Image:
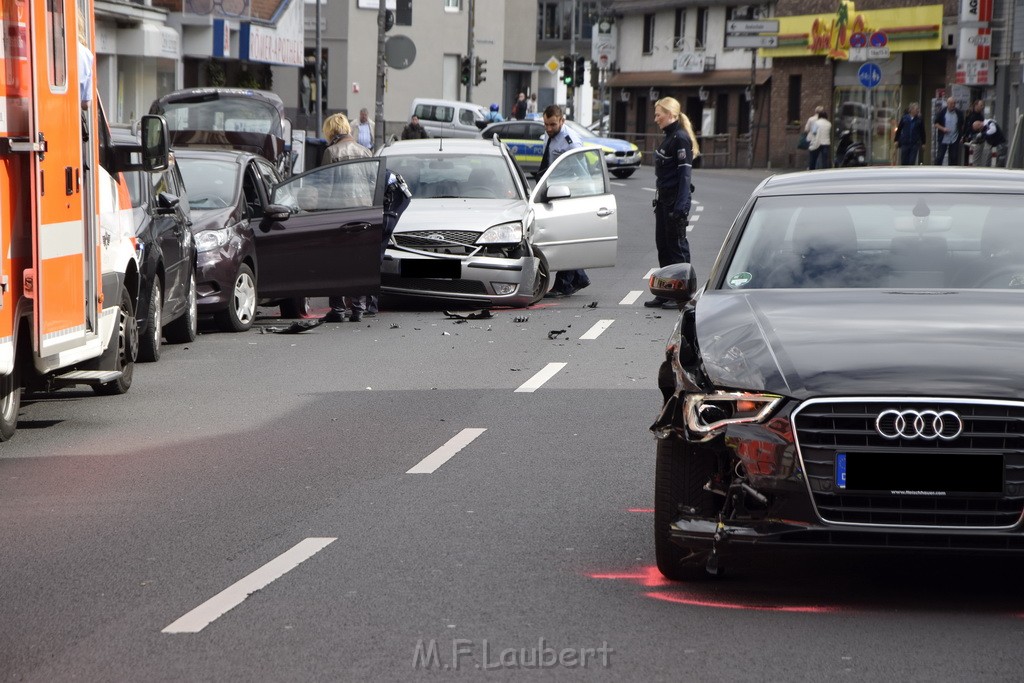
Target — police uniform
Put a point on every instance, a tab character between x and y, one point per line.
567	281
673	170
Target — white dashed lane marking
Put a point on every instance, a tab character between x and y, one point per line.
631	298
447	451
232	596
595	331
650	273
650	189
538	380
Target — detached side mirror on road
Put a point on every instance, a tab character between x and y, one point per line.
677	282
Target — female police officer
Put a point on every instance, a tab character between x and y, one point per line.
673	166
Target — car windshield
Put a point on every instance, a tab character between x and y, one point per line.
234	115
584	133
211	183
881	241
466	176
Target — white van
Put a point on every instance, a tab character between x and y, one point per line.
449	118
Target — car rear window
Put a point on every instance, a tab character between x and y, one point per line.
435	112
881	240
235	115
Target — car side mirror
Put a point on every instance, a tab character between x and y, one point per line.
677	282
276	212
156	149
167	202
557	192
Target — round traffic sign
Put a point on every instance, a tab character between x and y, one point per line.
870	74
879	39
858	40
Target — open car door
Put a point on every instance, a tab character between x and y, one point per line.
575	211
321	234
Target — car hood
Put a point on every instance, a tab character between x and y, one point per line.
459	214
965	343
211	219
613	144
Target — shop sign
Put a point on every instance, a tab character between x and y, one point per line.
974	72
280	44
688	63
908	29
975	31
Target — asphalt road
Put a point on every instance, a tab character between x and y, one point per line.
413	497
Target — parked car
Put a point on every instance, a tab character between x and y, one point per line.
849	375
263	240
449	118
233	118
161	221
525	140
474	232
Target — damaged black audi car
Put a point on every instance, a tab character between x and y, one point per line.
851	375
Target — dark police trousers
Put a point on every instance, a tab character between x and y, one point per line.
673	247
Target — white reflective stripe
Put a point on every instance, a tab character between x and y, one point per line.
61	239
64	333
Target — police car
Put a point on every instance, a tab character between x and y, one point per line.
525	140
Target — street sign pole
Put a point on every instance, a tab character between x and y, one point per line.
753	82
870	75
751	35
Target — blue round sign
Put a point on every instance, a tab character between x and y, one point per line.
858	40
879	39
870	74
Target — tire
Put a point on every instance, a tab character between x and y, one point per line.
680	475
296	308
543	281
241	310
149	343
10	402
127	347
183	329
625	173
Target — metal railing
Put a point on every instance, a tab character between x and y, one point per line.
716	151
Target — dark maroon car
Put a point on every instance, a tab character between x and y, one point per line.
263	241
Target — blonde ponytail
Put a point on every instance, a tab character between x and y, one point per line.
675	110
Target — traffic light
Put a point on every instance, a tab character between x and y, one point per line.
389	20
567	70
467	70
481	69
581	71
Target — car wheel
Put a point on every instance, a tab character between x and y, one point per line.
680	475
10	402
184	329
127	348
299	307
149	343
242	305
625	173
543	280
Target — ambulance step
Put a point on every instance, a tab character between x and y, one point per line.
87	377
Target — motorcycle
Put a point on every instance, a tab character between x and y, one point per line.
850	152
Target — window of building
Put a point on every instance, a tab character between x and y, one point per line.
722	114
679	29
648	34
555	20
743	117
793	100
700	39
452	5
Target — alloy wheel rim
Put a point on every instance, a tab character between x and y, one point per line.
245	298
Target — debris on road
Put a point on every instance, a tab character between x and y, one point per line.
477	315
295	328
553	334
521	319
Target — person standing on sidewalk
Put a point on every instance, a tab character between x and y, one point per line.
910	135
364	133
808	131
673	172
949	124
821	142
338	131
976	149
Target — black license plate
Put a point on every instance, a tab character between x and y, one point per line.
441	268
919	473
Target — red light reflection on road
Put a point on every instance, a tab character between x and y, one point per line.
649	577
650	510
696	601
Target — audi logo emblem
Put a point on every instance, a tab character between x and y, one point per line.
919	424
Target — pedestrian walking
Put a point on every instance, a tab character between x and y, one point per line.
338	131
910	135
519	108
808	126
949	123
557	141
673	172
415	130
821	143
976	149
364	131
531	105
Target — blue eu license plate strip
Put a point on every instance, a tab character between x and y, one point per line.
841	470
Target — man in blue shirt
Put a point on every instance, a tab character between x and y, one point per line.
949	124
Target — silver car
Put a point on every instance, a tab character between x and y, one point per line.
474	231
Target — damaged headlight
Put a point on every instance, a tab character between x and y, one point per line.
707	413
506	233
208	240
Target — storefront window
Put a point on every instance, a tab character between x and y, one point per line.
871	118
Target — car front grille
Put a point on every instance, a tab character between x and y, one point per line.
628	153
990	429
433	239
441	286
